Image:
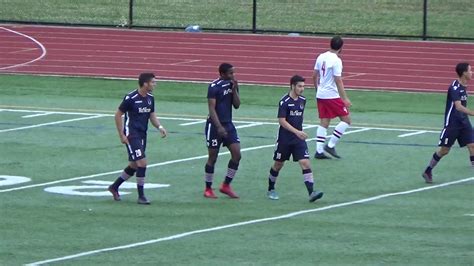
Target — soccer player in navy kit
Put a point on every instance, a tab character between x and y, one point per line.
138	107
222	96
456	121
292	139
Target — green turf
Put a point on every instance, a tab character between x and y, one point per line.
424	228
446	18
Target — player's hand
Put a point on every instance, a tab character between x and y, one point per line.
124	139
301	135
221	132
235	85
163	132
347	102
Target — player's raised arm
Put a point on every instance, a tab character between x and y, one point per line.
119	126
235	94
156	123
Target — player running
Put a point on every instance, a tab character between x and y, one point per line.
292	140
456	121
138	107
222	95
332	100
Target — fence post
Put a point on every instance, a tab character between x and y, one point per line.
425	18
130	14
254	17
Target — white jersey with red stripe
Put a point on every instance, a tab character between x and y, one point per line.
329	65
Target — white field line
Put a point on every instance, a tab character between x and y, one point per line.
51	123
249	222
411	134
249	125
469	214
193	123
43	49
36	115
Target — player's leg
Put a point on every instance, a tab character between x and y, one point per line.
321	133
213	143
471	153
447	138
466	138
128	172
141	174
309	180
281	154
340	109
232	142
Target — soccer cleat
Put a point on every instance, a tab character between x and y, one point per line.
321	156
332	151
143	201
115	193
428	177
227	189
315	195
272	195
209	193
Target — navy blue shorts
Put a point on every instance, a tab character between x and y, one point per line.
136	148
298	149
449	135
214	141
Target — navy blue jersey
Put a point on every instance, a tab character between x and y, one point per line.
452	117
221	90
137	111
292	110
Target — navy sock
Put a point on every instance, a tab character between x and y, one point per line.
232	168
272	179
209	175
141	171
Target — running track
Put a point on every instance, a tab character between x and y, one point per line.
260	59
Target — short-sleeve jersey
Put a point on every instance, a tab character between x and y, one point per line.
137	110
292	110
221	90
452	117
329	65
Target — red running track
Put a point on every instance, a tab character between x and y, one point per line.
260	59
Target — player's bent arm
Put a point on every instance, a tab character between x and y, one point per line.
119	122
340	87
282	121
316	79
236	95
156	123
211	102
459	107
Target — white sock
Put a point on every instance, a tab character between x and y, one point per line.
337	133
320	139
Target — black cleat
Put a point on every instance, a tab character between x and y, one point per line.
315	195
321	156
143	201
332	151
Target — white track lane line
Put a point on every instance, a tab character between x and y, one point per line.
43	49
249	222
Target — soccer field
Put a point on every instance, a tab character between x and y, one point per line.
59	134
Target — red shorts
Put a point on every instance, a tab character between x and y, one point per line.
331	108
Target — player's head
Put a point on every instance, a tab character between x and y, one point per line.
337	43
297	84
226	71
147	81
464	70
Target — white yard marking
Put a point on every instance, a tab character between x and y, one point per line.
469	214
309	126
249	222
50	123
193	123
36	115
43	49
249	125
412	134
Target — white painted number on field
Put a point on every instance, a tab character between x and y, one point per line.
8	180
96	188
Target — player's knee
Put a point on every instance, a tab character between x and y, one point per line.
443	151
141	171
141	163
236	157
305	164
278	165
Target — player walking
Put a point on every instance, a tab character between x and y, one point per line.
222	95
456	121
331	97
138	107
291	139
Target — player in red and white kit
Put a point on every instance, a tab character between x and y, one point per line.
332	100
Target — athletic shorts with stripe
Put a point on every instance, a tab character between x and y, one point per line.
136	148
214	141
464	135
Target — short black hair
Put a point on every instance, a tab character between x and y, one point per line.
144	78
224	68
295	79
461	68
336	43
